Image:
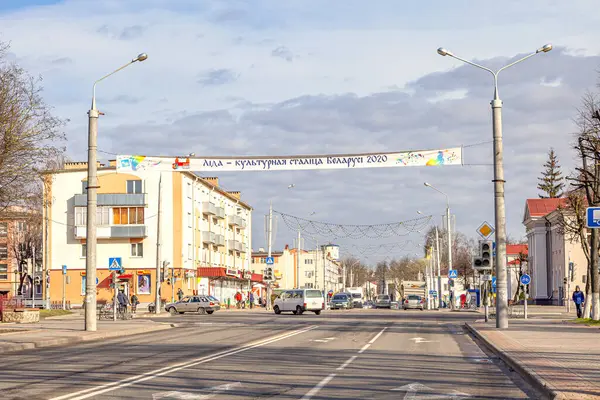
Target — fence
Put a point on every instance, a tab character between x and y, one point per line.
9	302
58	305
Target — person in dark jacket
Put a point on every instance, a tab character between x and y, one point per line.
578	298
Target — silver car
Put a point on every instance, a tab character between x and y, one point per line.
383	301
197	304
413	301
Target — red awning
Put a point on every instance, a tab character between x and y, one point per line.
213	272
122	277
256	277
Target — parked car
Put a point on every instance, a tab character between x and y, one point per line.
341	301
300	300
413	301
383	301
198	304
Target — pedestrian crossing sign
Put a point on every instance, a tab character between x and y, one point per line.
114	264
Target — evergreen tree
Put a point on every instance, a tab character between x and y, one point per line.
552	182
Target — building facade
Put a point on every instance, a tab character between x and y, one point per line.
177	223
551	253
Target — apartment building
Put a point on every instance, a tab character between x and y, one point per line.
177	221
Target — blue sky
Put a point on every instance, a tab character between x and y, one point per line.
273	77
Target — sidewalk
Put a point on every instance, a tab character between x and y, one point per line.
68	330
560	358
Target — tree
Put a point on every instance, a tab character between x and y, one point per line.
551	181
26	241
29	134
382	275
357	273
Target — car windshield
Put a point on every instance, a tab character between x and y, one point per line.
383	297
339	297
311	294
356	295
212	298
414	297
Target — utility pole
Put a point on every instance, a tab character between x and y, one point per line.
115	293
324	281
158	255
64	291
450	266
269	249
33	272
439	267
298	246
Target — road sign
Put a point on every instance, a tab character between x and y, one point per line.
485	230
493	249
433	292
453	273
114	264
525	279
493	282
270	260
592	217
486	277
64	268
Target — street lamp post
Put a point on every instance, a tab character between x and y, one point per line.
92	179
499	207
440	302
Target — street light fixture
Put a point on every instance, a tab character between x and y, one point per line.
449	242
92	179
499	207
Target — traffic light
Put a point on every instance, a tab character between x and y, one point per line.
268	274
37	280
485	252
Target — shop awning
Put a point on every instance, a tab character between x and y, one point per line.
214	272
256	277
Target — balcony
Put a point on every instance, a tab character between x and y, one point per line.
235	245
114	232
220	212
220	240
236	220
114	199
209	208
209	237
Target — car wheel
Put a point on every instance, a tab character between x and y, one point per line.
210	311
299	310
201	310
277	310
172	310
318	312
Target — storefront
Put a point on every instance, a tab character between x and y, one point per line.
224	283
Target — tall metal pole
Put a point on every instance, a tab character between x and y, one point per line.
437	251
158	279
115	293
269	250
450	266
33	272
298	246
90	238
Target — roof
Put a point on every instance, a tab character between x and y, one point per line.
266	254
516	249
219	272
543	207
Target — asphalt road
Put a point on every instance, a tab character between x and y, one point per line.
355	354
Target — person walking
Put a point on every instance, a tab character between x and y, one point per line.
578	298
134	303
180	294
251	298
123	301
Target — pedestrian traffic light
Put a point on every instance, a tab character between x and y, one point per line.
485	252
37	280
268	274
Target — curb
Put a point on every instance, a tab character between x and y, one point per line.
12	347
526	373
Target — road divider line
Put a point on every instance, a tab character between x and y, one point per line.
365	347
319	386
94	391
377	336
348	362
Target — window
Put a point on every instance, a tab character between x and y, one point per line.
3	229
128	216
308	261
137	249
83	250
134	186
84	187
3	271
21	226
3	251
80	216
83	283
189	251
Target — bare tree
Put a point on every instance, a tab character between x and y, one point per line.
26	240
29	134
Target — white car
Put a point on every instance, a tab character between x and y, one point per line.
299	300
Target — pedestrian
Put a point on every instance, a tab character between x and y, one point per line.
123	301
251	298
179	294
134	303
260	301
238	300
578	298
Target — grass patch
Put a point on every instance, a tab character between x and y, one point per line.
53	313
587	321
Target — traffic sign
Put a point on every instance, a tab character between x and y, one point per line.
493	282
493	249
453	273
486	277
64	268
433	292
592	217
270	260
486	230
525	279
115	264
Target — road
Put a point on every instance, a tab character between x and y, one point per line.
354	354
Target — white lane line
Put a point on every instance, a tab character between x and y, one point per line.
319	386
108	387
344	365
365	347
377	336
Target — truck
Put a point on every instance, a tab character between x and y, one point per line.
413	287
358	296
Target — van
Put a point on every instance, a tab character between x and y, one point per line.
299	300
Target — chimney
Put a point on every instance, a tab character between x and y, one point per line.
261	250
213	180
237	195
287	246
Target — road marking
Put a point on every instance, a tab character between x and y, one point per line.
365	347
422	340
108	387
413	388
319	386
324	340
377	336
213	391
344	365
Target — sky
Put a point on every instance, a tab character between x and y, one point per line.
267	77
